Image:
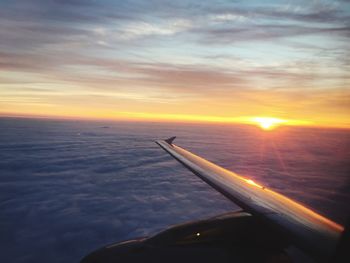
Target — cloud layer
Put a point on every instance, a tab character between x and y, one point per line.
139	51
69	187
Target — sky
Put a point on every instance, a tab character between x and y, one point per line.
176	60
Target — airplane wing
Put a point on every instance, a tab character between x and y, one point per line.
308	230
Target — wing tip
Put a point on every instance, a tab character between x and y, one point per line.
170	140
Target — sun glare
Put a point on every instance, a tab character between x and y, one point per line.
249	181
267	123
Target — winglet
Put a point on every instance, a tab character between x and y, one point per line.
170	140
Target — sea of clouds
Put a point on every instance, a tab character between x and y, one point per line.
69	187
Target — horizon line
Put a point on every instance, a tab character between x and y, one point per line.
191	119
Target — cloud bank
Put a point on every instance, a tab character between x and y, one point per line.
68	187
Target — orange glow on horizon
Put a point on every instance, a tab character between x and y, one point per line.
265	123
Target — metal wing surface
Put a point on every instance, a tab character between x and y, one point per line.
310	231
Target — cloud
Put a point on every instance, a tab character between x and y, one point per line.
72	186
142	51
142	29
265	32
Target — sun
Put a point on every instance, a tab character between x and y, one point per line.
267	123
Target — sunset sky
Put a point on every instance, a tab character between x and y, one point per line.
176	60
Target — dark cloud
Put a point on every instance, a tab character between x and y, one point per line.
315	11
266	32
39	22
